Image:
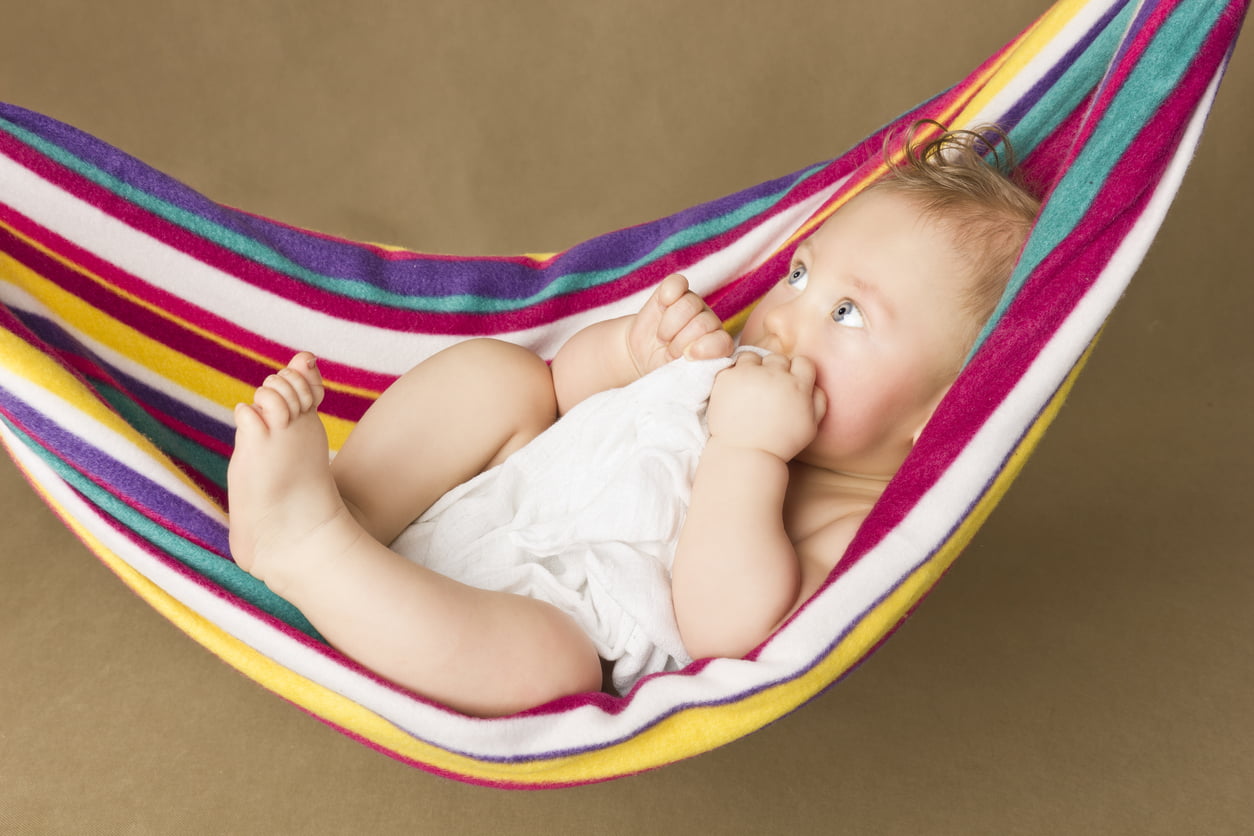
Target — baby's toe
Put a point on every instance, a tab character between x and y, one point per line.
305	366
272	406
249	420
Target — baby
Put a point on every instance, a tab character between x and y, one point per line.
861	339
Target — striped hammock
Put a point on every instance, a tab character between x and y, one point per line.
137	312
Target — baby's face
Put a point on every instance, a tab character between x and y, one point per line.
873	299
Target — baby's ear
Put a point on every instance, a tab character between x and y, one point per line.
929	412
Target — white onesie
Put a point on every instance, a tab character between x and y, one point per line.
587	516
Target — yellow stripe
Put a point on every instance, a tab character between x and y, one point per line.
1026	49
979	91
209	335
41	369
154	355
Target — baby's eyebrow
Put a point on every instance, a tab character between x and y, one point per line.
866	290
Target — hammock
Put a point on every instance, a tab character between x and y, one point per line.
137	312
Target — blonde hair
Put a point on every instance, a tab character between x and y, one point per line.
983	204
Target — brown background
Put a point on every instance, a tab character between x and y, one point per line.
1086	667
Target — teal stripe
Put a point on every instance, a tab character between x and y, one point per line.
1156	75
206	462
1068	92
365	292
688	237
217	570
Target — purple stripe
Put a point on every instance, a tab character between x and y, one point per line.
423	275
1132	39
131	487
140	392
1057	70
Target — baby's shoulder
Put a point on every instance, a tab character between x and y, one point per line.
826	544
821	527
820	550
818	511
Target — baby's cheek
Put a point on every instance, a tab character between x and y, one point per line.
857	407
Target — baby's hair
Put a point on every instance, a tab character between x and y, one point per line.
982	202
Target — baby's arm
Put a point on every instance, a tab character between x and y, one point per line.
673	322
736	574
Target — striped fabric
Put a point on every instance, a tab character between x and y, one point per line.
137	312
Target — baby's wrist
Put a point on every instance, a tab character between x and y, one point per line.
746	449
633	365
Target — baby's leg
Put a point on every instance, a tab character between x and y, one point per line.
446	420
476	651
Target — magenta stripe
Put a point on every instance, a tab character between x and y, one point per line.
55	341
75	280
346	308
135	490
1130	53
197	247
1042	166
389	253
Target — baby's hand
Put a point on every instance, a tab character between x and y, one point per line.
767	403
675	322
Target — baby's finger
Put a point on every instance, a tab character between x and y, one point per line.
677	316
711	345
671	289
776	359
820	404
803	369
705	322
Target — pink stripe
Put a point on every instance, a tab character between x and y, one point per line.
210	253
1110	86
77	279
385	253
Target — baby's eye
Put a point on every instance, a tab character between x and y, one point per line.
848	314
797	277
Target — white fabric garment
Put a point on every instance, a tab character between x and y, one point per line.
587	516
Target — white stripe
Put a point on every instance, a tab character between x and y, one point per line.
275	317
69	418
17	298
1042	63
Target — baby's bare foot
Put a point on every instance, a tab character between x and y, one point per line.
279	479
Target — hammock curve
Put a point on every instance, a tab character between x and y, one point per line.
137	312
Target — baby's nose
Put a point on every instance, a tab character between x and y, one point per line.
779	330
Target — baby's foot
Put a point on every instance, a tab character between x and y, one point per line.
675	322
279	480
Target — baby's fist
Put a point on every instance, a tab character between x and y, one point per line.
675	322
767	403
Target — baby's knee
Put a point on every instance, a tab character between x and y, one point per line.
515	378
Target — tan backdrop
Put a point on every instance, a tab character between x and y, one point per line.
1086	668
